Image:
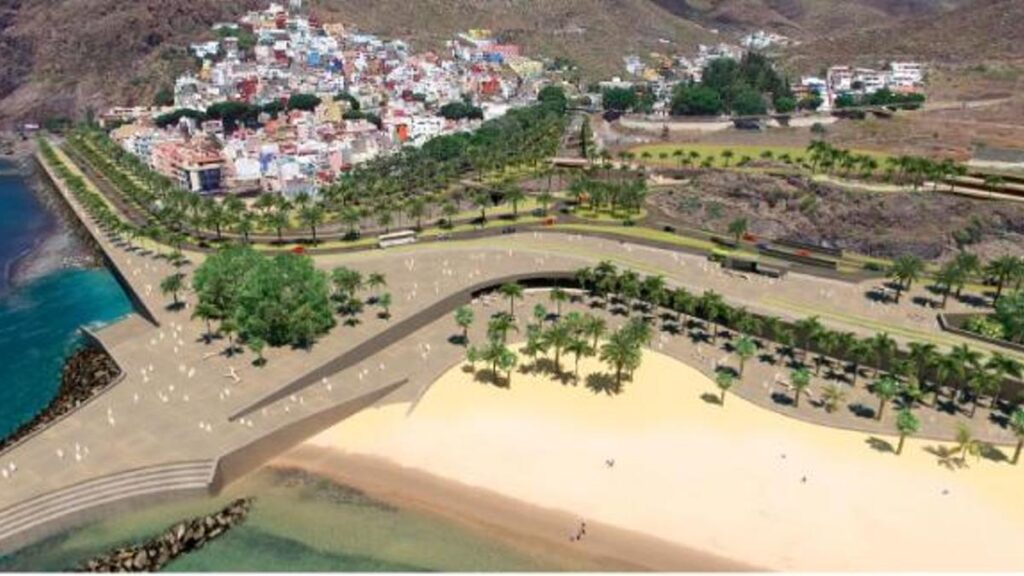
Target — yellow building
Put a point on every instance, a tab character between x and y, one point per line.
525	67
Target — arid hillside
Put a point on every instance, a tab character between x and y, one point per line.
979	32
63	57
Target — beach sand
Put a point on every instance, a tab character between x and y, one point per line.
737	482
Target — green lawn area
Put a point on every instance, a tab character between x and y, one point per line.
606	215
739	150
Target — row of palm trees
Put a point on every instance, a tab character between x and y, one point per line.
908	376
919	371
904	169
408	179
1002	272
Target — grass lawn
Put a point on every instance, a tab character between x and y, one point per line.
739	150
606	215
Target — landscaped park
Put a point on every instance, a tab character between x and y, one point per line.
262	322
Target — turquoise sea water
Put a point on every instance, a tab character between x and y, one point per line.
39	320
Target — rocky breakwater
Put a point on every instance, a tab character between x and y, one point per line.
182	538
86	373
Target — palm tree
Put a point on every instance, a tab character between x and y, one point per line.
1002	366
800	379
545	198
886	388
983	382
905	270
923	356
558	296
966	442
482	200
384	302
514	195
964	361
745	350
907	425
832	395
557	338
713	308
621	353
1017	425
579	347
506	362
376	281
594	328
883	347
807	329
724	379
312	215
727	155
511	290
172	285
737	228
499	327
464	319
969	265
1002	269
948	276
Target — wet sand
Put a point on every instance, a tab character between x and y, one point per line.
534	530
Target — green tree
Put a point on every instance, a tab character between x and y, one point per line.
907	425
905	270
256	345
695	100
800	379
173	285
512	291
745	350
886	388
1017	425
1010	314
384	303
725	380
464	319
737	228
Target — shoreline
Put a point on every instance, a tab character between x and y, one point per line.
524	526
61	245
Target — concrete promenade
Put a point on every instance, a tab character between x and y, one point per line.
187	419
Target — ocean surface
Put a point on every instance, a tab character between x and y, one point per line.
39	319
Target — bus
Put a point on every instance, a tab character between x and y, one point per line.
396	239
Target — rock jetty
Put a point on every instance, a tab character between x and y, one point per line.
86	373
182	538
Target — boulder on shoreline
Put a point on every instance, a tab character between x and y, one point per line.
181	538
86	373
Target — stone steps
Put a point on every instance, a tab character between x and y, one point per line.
46	508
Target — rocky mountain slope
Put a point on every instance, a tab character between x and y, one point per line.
62	57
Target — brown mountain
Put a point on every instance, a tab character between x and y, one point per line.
982	31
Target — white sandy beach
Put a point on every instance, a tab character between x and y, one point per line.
726	481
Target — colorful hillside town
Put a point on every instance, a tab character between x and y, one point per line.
284	103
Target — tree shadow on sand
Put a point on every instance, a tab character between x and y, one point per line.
599	382
879	445
713	399
488	376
